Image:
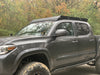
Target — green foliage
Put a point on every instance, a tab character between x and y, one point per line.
4	32
15	14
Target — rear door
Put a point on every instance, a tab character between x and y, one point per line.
86	41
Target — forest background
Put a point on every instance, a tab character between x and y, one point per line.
15	14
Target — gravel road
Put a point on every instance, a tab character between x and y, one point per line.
80	70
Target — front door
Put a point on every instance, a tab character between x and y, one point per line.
63	48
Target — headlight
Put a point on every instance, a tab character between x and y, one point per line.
5	49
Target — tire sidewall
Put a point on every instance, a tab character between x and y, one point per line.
98	65
34	67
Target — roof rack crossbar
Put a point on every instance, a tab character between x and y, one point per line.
72	18
56	18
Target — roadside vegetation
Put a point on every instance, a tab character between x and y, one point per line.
15	14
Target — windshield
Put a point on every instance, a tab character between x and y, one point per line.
37	29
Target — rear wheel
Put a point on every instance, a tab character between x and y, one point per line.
98	65
34	68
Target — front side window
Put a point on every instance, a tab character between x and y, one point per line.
67	26
37	29
82	29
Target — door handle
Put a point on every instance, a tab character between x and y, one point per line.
75	41
91	40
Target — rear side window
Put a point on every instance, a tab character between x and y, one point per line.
82	29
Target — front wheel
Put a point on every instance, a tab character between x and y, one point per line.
34	68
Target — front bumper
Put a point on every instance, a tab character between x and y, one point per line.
7	64
4	65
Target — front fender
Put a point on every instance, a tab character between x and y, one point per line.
29	52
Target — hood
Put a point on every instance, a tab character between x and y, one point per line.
6	40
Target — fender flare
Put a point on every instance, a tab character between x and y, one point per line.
29	52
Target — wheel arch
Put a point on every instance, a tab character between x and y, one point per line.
41	53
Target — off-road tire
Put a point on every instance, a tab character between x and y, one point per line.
98	65
34	68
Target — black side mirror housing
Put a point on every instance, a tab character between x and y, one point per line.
61	32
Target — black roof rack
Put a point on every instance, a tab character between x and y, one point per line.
56	18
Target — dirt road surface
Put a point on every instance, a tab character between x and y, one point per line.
80	70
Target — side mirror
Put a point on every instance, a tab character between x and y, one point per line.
61	32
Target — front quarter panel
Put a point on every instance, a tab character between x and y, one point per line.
29	52
25	47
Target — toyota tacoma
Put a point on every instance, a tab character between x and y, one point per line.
49	44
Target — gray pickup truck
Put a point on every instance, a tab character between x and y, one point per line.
49	44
